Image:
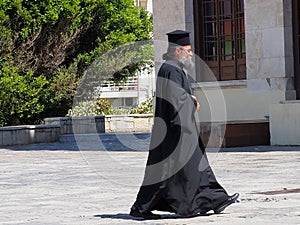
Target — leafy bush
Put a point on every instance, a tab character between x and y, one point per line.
91	108
49	44
103	107
20	96
119	111
145	107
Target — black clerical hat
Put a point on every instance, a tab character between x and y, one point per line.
179	37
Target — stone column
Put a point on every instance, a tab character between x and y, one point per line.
169	15
269	46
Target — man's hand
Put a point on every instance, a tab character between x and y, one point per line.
198	104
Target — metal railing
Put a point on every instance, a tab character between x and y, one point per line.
130	85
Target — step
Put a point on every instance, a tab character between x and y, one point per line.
235	133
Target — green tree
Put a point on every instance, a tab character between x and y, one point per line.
20	96
52	42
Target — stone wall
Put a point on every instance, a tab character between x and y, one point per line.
170	15
129	123
102	124
213	133
56	126
232	100
78	125
269	47
285	123
29	134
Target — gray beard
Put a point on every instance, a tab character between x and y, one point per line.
186	62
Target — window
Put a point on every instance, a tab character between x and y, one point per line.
220	37
141	3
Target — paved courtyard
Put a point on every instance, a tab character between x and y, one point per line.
82	183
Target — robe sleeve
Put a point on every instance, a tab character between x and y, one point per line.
183	103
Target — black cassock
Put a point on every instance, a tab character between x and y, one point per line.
178	177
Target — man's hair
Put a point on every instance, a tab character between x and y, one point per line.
170	53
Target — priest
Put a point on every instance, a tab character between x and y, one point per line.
178	177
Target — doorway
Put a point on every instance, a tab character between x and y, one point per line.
296	40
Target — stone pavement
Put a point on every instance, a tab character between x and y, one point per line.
82	183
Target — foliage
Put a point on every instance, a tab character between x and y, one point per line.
20	96
51	43
133	58
91	108
119	111
103	107
116	65
60	92
145	107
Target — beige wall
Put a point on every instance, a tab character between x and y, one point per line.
285	123
234	102
168	15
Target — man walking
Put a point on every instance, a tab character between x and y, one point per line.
178	177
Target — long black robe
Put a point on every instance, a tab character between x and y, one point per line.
178	177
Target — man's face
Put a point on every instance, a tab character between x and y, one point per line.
185	57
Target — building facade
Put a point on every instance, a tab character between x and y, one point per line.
145	4
251	49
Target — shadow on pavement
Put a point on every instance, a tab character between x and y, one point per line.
92	142
125	216
125	142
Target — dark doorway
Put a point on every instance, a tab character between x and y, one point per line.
296	38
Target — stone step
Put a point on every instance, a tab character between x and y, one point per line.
235	133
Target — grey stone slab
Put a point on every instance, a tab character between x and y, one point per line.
70	186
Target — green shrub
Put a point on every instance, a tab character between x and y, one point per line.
119	111
103	107
20	96
91	108
49	44
145	107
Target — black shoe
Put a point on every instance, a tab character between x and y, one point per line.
231	199
148	215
